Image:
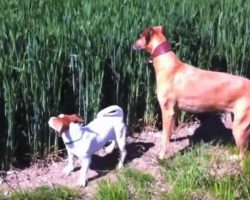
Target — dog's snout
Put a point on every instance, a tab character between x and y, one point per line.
50	122
137	46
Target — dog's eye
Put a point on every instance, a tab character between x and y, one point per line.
144	33
148	37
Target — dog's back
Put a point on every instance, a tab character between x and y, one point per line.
107	126
108	123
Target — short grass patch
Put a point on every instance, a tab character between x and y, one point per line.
112	190
206	172
2	197
140	183
45	193
131	184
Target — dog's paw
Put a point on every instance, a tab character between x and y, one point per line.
234	157
120	165
82	183
161	155
67	170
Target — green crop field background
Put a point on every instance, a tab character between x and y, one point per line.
59	56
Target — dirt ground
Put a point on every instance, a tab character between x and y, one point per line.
142	151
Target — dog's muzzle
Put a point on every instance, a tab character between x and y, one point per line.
137	46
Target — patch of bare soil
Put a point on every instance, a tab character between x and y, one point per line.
142	151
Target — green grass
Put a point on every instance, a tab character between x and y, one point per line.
206	171
76	57
185	172
112	190
2	197
246	165
46	193
230	187
142	183
203	171
131	184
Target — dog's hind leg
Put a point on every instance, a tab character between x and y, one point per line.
241	132
121	142
110	147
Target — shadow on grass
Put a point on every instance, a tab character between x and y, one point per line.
104	164
211	130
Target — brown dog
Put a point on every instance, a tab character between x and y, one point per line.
180	85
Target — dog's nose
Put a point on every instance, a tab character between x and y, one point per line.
51	121
136	46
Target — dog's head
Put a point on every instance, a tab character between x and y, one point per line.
62	121
150	38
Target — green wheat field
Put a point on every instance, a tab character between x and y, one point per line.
75	56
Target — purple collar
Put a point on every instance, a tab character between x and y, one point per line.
162	48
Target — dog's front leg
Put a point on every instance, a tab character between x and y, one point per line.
85	162
70	166
168	121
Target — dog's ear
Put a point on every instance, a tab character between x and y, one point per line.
71	118
159	29
148	34
76	119
57	124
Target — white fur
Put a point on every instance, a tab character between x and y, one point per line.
83	141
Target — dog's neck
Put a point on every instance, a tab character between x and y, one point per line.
163	57
73	134
162	48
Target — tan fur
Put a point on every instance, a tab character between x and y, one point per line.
182	86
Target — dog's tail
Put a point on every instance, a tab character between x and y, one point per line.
120	128
111	111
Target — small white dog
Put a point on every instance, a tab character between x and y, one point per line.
83	141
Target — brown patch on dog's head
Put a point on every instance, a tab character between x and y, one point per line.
62	121
150	38
71	118
146	34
